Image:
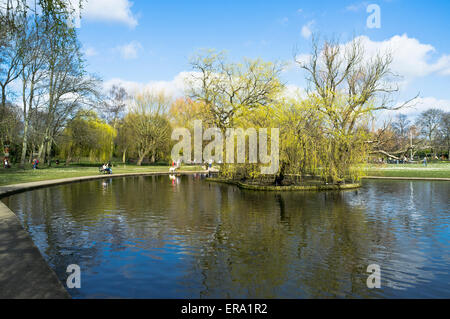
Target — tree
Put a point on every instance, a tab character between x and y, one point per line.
184	111
228	89
87	135
444	129
125	141
428	122
387	141
346	87
33	63
14	18
68	87
115	105
149	125
401	125
12	47
10	130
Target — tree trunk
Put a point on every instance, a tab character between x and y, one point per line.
139	162
68	159
124	156
280	177
26	119
30	159
142	154
3	96
41	153
49	153
24	145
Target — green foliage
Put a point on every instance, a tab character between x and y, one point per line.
87	136
313	143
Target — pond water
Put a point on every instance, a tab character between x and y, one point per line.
157	237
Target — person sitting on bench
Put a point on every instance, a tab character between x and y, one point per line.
105	169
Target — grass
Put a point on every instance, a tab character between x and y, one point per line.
16	175
433	170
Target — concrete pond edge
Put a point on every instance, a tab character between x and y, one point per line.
24	273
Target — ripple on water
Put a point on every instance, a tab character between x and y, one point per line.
157	238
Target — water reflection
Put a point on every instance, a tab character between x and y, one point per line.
179	237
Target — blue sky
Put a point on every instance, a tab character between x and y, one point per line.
143	42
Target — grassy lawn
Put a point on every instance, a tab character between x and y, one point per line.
441	170
16	175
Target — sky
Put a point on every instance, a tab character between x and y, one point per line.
145	43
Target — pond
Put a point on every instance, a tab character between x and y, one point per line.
184	237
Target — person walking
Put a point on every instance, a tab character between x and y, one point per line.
35	163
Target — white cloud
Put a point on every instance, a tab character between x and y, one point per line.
95	10
302	58
418	106
424	103
443	65
294	92
306	29
178	85
111	11
411	58
174	88
129	51
90	52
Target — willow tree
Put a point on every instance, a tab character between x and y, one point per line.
228	92
184	111
303	140
125	142
87	136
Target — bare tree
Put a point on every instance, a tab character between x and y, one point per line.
33	72
401	125
12	47
114	106
67	86
345	75
428	122
347	87
444	128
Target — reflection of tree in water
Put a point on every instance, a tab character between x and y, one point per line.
229	242
251	254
